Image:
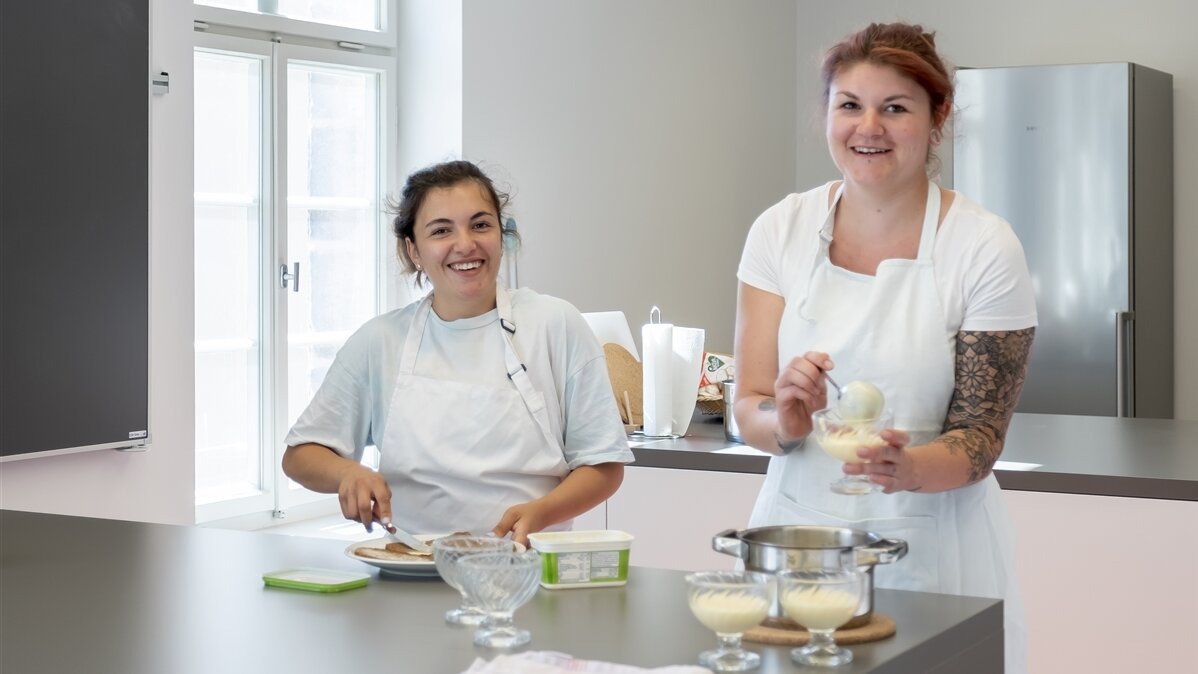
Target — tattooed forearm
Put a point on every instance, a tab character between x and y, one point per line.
990	370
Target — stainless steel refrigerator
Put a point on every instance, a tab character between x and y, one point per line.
1079	159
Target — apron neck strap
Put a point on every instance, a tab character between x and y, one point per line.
931	220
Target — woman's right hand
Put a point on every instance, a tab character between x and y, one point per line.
364	496
799	390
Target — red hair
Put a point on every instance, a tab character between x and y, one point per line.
902	46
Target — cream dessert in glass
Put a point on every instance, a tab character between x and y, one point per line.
728	603
821	601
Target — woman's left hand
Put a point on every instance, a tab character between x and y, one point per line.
890	465
521	520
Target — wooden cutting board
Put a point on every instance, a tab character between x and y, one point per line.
879	626
627	379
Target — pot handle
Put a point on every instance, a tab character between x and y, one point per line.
729	543
884	551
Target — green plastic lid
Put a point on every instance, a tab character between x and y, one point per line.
316	580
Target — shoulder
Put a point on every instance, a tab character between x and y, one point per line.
971	230
812	203
379	333
546	312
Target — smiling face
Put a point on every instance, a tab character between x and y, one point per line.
879	127
458	243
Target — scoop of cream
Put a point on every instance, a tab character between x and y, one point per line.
860	401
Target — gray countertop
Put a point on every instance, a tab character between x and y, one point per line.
100	596
1105	456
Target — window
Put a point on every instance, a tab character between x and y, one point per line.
294	154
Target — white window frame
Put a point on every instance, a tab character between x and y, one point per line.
276	501
384	38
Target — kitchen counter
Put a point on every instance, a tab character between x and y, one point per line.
100	596
1102	456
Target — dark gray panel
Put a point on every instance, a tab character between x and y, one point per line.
74	235
1152	242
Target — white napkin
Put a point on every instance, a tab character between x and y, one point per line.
550	662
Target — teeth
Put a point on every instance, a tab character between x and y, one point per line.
466	266
869	150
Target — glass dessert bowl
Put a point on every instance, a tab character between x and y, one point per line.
841	438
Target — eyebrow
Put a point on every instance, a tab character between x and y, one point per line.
448	221
888	99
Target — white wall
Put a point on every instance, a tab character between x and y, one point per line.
640	139
157	485
1155	33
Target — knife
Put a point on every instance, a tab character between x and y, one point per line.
400	536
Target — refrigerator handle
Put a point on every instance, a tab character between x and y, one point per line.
1124	372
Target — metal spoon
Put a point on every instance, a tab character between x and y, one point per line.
839	391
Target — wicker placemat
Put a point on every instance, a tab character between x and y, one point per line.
626	383
878	627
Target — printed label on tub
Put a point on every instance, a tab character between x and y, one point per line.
583	567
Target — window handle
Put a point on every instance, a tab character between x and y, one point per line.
293	277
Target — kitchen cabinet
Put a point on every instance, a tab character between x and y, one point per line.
674	513
1108	582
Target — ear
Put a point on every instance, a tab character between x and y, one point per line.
413	254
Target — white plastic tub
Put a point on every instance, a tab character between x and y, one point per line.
582	558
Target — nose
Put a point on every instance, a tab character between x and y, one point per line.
871	124
463	240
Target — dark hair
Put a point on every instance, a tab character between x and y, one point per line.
905	47
438	176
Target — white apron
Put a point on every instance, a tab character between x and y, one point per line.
891	329
457	455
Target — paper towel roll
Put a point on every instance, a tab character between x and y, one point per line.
657	342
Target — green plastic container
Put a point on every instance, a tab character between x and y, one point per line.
582	558
316	580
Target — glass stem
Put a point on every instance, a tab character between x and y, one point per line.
499	619
729	642
822	639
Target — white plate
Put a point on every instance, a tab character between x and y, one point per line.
398	567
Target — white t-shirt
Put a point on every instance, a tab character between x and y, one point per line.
980	269
565	363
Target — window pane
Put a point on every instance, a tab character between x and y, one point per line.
228	231
362	14
332	216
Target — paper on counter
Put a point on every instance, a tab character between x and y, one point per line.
686	370
611	327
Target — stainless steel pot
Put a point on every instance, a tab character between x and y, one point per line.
780	548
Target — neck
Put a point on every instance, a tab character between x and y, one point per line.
877	208
453	309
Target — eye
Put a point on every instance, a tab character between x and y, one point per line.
439	231
481	224
895	108
849	105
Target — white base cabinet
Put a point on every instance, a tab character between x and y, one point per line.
1110	584
674	514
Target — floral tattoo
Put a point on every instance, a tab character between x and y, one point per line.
991	368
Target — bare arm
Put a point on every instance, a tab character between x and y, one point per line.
362	492
584	488
773	408
990	370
